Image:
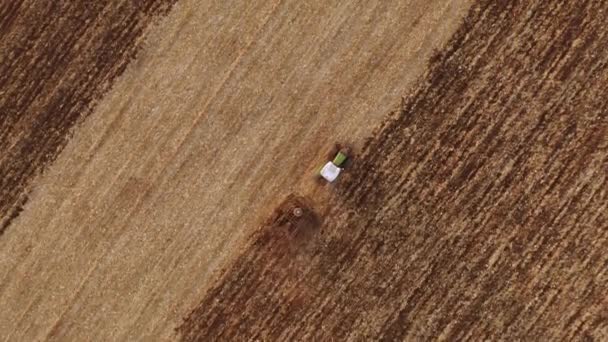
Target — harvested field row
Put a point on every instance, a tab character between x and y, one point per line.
479	211
56	59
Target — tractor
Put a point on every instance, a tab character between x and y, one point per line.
331	170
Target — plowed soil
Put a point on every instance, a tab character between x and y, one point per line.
477	212
228	107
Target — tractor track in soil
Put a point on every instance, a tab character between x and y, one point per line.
478	211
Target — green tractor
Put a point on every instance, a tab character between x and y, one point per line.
332	169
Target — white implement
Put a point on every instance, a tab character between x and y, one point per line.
330	172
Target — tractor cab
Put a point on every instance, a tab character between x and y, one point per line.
331	170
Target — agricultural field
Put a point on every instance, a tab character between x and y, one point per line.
478	211
141	146
56	58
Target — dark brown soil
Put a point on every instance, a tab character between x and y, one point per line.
56	59
478	212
